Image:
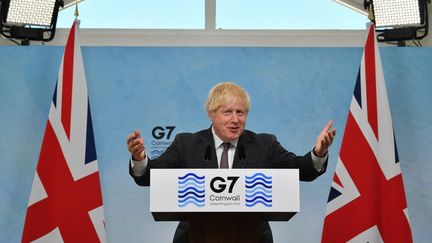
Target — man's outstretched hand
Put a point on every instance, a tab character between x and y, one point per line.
324	139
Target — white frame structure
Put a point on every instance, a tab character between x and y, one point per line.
247	38
210	36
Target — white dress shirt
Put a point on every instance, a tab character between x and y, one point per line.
219	149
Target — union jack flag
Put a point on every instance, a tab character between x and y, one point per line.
367	198
65	203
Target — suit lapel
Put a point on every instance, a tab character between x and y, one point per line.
243	151
207	150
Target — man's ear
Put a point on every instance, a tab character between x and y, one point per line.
210	115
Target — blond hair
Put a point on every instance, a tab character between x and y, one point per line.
226	92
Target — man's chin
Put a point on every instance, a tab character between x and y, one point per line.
234	136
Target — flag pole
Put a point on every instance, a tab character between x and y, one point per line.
76	9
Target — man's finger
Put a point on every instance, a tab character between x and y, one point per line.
137	133
139	150
130	138
328	126
137	147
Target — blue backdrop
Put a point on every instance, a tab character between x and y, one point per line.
294	92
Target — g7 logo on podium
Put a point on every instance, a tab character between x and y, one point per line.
218	184
159	132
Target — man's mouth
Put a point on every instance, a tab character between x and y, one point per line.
233	129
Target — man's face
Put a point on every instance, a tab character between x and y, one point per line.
229	120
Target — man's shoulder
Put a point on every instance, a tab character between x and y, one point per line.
206	133
193	135
250	135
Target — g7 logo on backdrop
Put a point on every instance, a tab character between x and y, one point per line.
218	184
159	132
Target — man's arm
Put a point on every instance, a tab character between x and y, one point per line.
139	162
139	172
140	165
319	163
313	163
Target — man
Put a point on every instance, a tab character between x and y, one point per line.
226	144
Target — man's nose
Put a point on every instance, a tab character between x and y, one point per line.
235	117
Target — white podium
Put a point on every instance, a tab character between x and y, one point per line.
232	201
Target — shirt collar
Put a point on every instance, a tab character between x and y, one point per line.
218	141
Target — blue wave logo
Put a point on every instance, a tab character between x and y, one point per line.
191	190
156	153
258	190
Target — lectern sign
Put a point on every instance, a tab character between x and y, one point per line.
226	190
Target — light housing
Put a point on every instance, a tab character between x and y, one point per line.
29	19
398	20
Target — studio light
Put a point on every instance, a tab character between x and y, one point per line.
398	20
29	19
396	13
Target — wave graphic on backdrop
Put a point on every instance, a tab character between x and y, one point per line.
191	190
156	153
258	190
